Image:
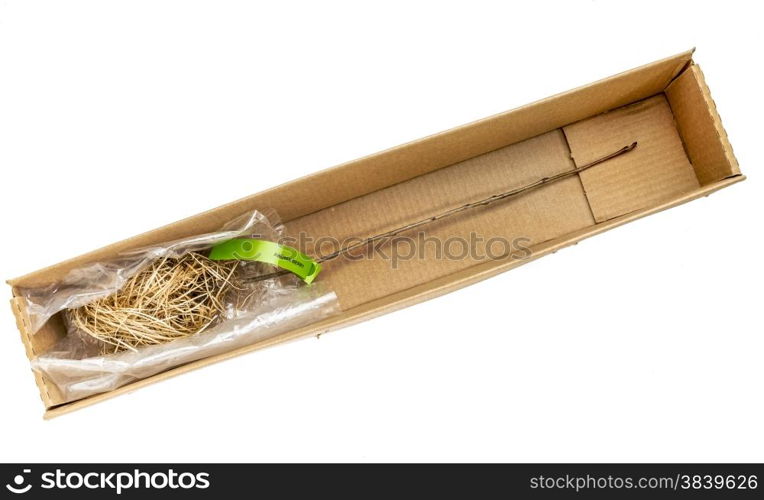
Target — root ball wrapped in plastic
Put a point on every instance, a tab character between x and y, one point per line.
155	308
171	299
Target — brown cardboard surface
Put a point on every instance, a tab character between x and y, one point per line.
701	128
655	172
538	216
425	177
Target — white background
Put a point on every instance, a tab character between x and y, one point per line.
641	344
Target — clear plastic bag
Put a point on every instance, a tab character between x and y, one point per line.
100	279
80	366
284	310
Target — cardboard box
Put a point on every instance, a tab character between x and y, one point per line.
665	106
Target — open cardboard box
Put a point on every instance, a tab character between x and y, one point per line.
665	106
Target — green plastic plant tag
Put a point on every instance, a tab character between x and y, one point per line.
269	252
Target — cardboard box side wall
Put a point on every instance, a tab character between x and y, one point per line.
700	126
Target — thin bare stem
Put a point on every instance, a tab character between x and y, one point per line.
468	206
